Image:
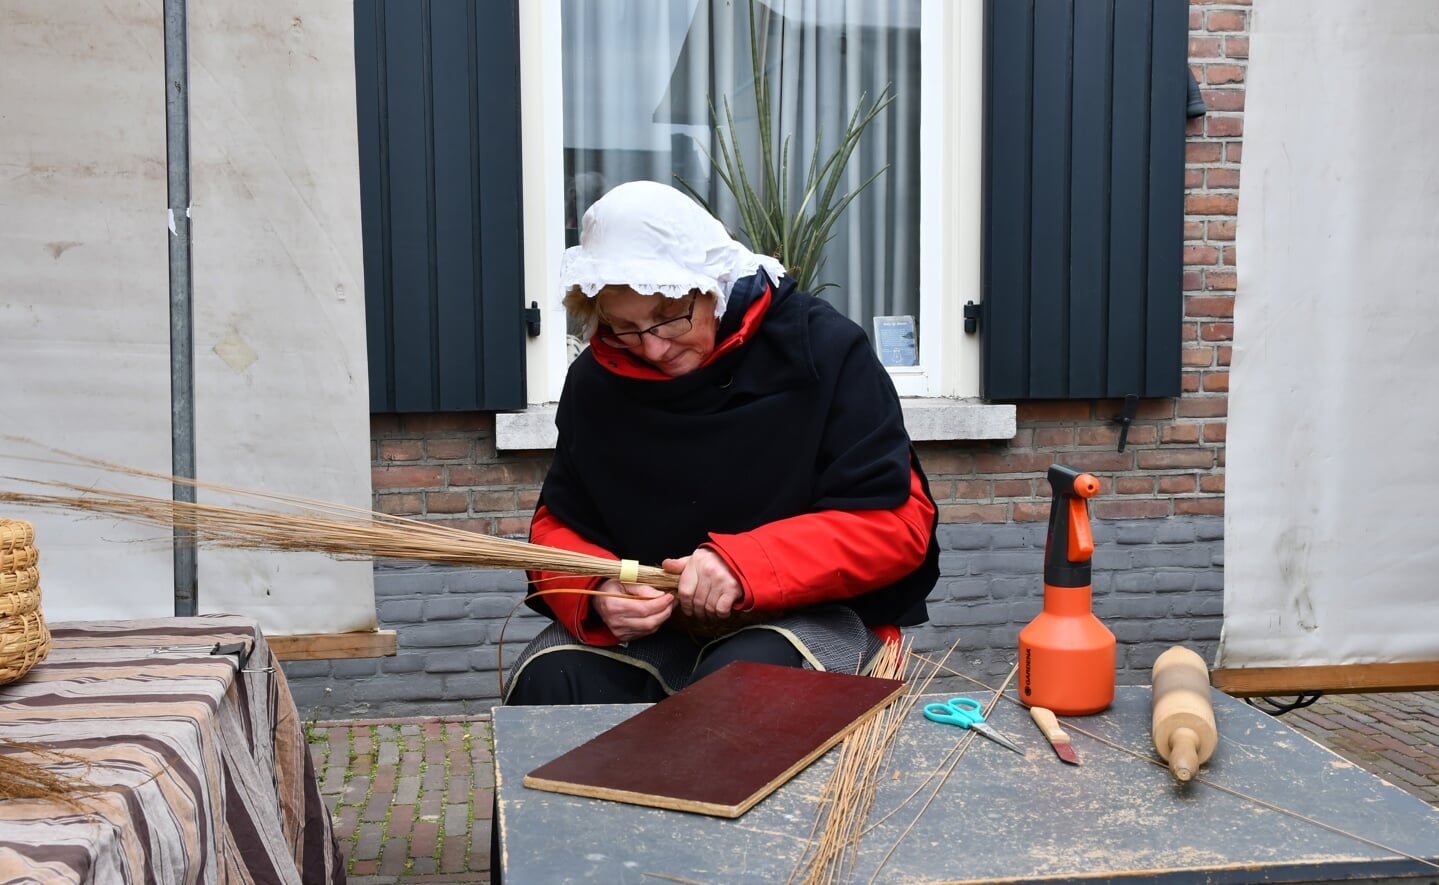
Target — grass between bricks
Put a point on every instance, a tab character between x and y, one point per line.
368	766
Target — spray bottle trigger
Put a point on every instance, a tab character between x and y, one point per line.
1081	540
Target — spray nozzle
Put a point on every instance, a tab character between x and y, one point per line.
1069	545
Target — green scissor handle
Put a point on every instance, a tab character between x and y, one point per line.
965	712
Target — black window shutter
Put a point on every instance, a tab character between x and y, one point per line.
1083	198
437	90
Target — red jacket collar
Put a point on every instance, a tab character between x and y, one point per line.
623	362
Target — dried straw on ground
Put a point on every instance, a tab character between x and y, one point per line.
288	523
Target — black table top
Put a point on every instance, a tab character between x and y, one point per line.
1271	805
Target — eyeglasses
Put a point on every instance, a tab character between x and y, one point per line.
666	329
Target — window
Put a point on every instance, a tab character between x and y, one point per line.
640	77
1073	126
619	91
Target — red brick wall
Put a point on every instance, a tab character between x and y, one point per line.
444	467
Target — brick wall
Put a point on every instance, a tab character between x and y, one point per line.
1156	582
1158	520
444	467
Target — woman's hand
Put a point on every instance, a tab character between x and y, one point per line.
708	591
630	619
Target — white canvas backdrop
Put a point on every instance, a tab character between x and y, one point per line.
84	306
280	374
1332	504
282	390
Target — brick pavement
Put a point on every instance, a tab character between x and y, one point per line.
1393	735
412	798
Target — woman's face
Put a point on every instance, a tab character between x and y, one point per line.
625	310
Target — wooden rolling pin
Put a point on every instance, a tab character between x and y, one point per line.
1184	731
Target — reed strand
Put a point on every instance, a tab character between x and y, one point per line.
844	804
317	527
22	778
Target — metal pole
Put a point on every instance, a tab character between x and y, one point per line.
182	313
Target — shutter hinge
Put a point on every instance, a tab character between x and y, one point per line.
532	319
1126	417
971	318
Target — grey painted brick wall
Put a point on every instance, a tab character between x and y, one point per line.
1157	583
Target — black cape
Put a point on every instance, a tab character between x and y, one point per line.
801	417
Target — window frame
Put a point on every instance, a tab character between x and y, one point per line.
952	40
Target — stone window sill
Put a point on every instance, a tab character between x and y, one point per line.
928	419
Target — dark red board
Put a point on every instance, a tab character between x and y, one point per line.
722	744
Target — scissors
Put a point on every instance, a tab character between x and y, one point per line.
964	712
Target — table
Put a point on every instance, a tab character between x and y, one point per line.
194	766
1117	817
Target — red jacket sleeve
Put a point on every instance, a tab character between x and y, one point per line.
570	609
828	555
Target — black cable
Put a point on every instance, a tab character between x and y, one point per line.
1278	708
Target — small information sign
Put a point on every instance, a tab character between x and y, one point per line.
894	338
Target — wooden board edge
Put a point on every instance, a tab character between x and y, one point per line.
631	798
324	646
804	763
1242	682
713	809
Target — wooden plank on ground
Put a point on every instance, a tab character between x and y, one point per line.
323	646
1333	679
722	744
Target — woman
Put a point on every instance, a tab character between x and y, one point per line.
740	434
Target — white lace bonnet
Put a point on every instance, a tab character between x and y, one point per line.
658	241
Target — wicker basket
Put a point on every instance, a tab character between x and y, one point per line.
16	533
20	594
24	638
23	580
16	558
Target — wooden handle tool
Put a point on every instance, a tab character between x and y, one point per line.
1183	723
1058	737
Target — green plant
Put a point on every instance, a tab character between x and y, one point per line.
794	231
314	734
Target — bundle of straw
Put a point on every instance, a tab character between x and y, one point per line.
301	524
844	805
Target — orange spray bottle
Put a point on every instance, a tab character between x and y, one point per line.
1066	656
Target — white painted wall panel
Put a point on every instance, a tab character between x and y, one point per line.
282	396
280	370
1332	508
84	299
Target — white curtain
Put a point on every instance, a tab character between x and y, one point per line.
640	77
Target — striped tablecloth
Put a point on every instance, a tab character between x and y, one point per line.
193	768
